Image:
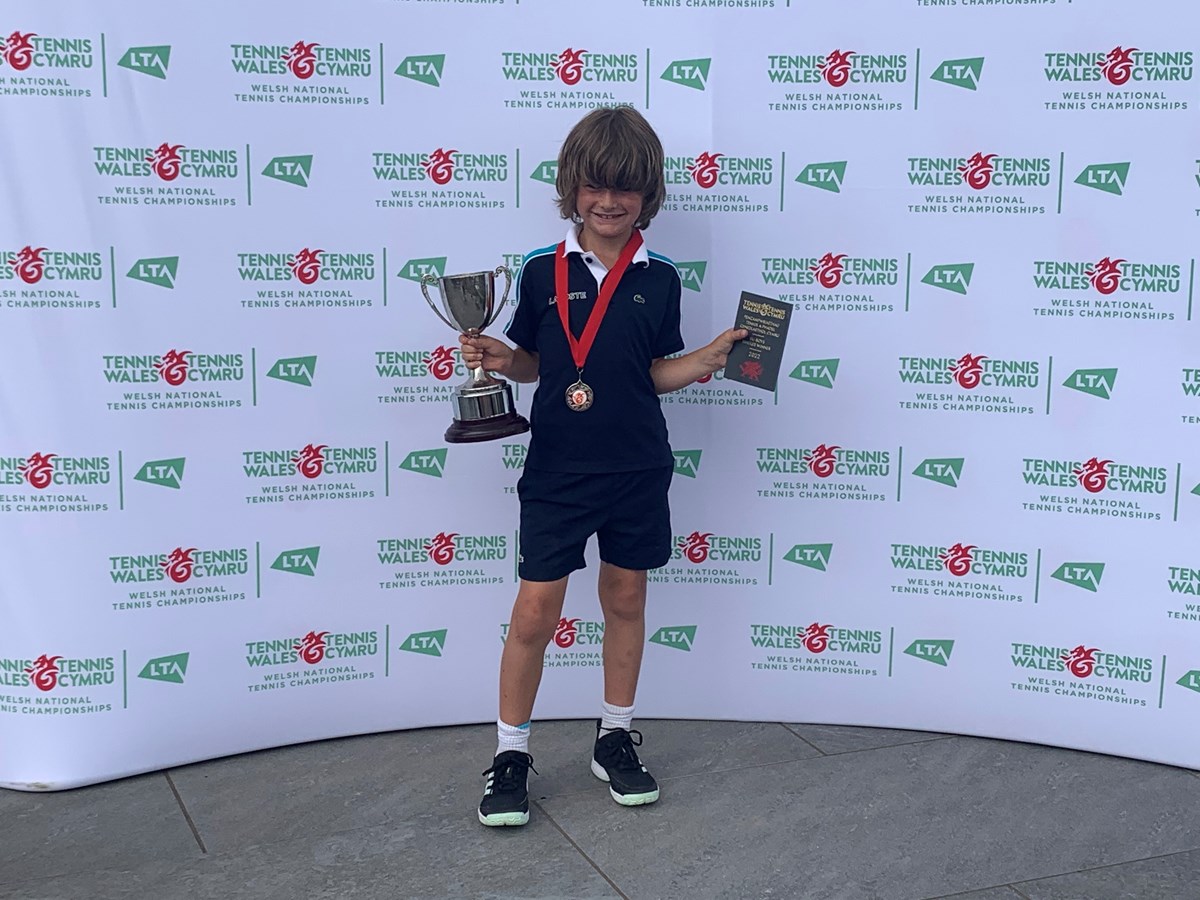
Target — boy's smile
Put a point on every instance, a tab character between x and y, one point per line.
607	214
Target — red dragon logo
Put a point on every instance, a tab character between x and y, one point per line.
440	166
1117	65
311	461
836	68
569	67
705	168
1081	661
1105	276
695	546
977	172
306	265
751	369
17	51
312	647
44	673
440	363
441	548
38	470
564	632
957	559
301	60
179	564
968	371
1093	475
815	638
165	161
29	265
821	461
829	270
172	367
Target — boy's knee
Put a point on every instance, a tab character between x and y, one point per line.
533	622
625	602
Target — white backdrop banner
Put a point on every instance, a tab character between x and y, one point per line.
227	516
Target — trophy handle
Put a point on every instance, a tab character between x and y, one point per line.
507	273
432	279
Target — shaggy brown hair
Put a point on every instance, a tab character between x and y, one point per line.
612	147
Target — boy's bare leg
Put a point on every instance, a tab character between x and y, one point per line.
535	615
623	600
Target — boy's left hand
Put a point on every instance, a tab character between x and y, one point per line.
717	352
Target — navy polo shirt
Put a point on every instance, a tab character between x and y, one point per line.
624	429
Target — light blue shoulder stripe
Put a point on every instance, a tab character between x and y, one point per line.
516	298
670	262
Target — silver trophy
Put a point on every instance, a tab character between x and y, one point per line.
483	404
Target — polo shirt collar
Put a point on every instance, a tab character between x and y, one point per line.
640	258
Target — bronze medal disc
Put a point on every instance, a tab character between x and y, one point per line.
579	397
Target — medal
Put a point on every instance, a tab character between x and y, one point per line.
579	396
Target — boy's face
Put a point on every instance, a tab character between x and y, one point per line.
608	214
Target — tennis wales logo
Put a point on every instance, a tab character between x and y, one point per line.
47	673
1119	66
708	169
41	470
32	265
20	52
570	67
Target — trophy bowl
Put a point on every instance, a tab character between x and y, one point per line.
483	404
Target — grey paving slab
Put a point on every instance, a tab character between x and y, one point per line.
847	738
119	823
450	858
997	893
338	785
1175	877
917	820
671	748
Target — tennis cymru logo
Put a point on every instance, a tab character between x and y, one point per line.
426	462
1120	66
854	283
166	473
310	277
819	647
1082	673
687	462
991	184
170	669
861	474
294	370
716	181
444	559
931	651
946	471
1096	382
48	673
570	67
1111	288
569	632
811	556
704	557
41	471
441	178
295	170
701	547
677	637
303	72
152	61
690	73
313	658
175	368
962	571
953	277
821	372
1184	581
1082	575
513	455
1107	177
962	73
418	376
160	271
839	81
33	64
1097	487
41	278
168	174
427	643
312	472
423	69
180	565
1010	386
298	562
827	176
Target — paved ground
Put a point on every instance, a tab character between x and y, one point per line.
749	810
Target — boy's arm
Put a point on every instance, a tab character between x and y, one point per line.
673	374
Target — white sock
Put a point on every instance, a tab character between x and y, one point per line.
615	717
511	737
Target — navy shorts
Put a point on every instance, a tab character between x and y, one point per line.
627	511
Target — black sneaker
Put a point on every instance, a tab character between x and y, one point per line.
506	795
614	760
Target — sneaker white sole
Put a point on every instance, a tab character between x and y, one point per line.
508	818
623	799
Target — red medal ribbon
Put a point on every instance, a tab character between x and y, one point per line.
580	347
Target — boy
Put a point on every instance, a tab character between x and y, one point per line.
596	317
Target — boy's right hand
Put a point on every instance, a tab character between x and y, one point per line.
491	354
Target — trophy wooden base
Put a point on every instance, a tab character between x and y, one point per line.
489	429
